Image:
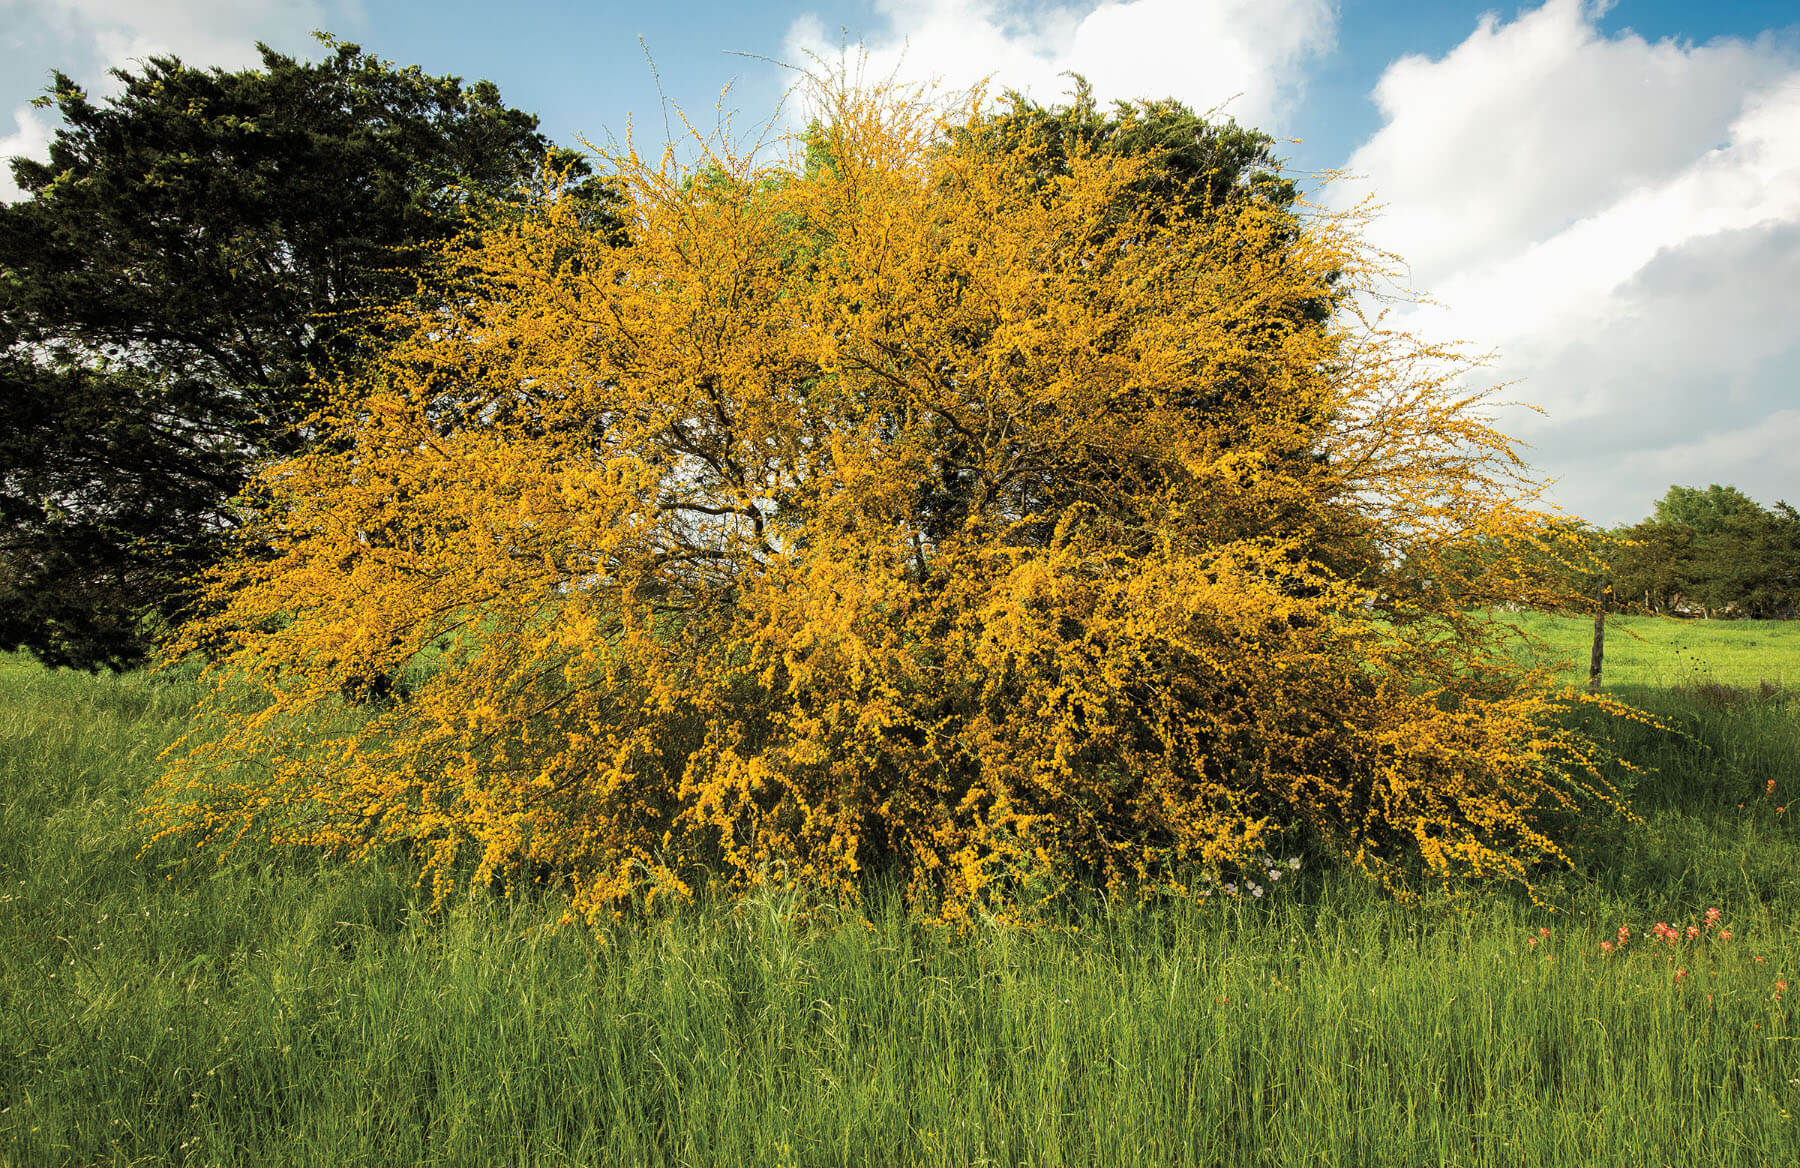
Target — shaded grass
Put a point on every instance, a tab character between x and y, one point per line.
283	1010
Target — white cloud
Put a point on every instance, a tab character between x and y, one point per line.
1245	55
1758	458
30	138
85	38
1620	219
204	32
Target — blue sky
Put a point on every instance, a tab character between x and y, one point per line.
1605	196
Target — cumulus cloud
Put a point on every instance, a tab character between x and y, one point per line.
86	38
1620	220
1247	56
30	138
210	32
1760	453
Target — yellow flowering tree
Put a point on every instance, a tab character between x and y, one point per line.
907	505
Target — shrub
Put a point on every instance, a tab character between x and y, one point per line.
915	507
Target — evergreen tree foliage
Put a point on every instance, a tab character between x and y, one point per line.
196	251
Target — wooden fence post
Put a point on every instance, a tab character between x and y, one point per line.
1599	639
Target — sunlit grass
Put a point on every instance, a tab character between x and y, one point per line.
285	1011
1665	651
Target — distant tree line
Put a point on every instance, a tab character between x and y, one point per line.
1713	554
1710	553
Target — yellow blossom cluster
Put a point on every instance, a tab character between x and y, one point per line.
920	509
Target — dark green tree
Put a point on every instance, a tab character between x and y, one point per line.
1748	566
195	250
1715	551
1199	163
1708	511
1654	565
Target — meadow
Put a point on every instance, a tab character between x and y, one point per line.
1664	653
158	1009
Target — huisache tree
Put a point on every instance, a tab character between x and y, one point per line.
906	505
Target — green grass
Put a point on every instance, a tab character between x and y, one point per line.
1666	652
287	1011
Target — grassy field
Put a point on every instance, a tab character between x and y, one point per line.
1663	652
287	1011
